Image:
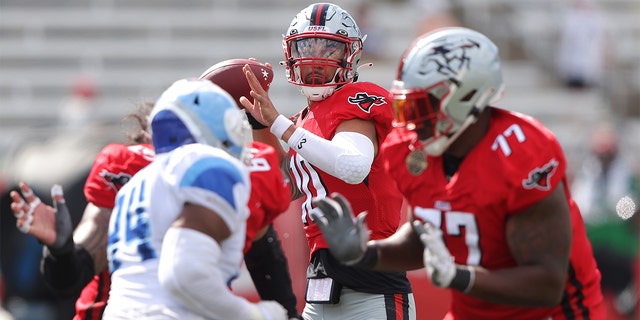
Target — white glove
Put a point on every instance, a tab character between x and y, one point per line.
268	310
346	235
437	259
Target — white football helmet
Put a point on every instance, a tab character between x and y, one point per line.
322	37
445	79
198	111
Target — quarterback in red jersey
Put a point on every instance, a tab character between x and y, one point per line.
334	144
492	215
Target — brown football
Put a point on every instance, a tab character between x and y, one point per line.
229	76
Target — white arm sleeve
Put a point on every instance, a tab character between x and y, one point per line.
348	156
188	271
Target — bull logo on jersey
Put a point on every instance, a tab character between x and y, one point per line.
113	180
365	102
539	178
449	58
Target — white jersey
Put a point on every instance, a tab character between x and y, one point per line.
149	203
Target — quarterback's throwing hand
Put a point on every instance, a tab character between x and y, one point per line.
346	236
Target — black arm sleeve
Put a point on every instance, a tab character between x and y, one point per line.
269	271
67	274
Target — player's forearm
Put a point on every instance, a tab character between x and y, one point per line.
400	252
188	271
528	286
91	234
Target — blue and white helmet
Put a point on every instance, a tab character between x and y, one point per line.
198	111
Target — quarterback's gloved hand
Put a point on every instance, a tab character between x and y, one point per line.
440	265
346	235
50	225
268	310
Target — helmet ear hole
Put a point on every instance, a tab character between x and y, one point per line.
468	96
169	132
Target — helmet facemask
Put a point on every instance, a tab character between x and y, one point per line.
319	63
322	53
420	110
240	134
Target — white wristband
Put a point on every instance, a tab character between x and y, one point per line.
279	126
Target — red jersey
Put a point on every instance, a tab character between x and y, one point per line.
270	194
377	193
516	164
112	168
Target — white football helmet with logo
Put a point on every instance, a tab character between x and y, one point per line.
445	79
323	37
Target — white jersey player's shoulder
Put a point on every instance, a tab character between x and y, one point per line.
196	159
209	177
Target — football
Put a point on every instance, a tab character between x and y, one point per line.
229	76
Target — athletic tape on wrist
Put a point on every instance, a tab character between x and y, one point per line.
472	279
464	279
279	126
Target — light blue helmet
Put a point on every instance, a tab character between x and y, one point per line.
198	111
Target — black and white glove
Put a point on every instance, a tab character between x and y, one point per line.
345	234
441	268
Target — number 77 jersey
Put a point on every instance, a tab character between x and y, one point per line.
517	163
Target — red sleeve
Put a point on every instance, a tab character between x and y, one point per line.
112	168
363	100
537	167
270	194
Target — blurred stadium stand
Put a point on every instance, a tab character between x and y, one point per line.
136	48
